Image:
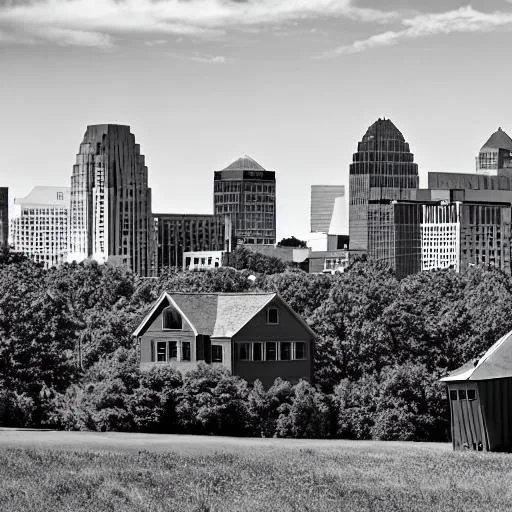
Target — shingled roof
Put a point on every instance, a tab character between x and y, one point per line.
244	163
496	363
219	315
499	140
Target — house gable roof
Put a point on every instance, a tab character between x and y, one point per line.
496	363
219	315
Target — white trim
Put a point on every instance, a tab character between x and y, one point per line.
157	304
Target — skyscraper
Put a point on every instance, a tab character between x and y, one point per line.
4	216
495	154
328	209
247	193
382	170
39	227
110	212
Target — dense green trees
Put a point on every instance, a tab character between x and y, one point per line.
68	358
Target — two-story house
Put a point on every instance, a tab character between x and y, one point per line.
254	335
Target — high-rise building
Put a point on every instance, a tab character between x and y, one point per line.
39	228
178	233
382	170
110	212
495	154
328	209
460	234
4	216
246	192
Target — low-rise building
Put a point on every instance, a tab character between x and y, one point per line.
253	335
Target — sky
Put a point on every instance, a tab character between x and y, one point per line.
292	83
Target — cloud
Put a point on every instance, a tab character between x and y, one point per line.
464	19
208	59
98	22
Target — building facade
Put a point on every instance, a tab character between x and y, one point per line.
253	335
328	209
246	192
495	154
110	208
382	170
39	228
4	216
179	233
440	236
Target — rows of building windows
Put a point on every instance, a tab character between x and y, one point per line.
272	351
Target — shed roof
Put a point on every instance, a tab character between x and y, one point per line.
496	363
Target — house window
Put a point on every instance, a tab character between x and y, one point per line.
173	350
286	351
217	354
257	351
270	351
171	319
462	394
272	316
471	394
161	351
453	394
185	350
300	350
245	351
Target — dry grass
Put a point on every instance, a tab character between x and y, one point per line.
352	477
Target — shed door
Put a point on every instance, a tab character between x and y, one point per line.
466	425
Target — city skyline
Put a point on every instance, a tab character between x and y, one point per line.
293	85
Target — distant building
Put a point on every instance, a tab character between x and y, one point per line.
4	216
39	228
479	394
382	171
178	233
246	192
253	335
202	260
110	212
328	210
495	154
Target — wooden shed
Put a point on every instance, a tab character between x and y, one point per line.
480	395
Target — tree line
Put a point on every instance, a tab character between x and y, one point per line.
68	359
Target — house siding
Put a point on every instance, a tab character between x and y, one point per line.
288	329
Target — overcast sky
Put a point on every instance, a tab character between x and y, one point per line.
292	83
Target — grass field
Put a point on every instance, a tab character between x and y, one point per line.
221	474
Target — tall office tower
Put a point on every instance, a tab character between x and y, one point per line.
382	170
247	193
4	216
110	213
327	209
495	154
39	228
178	233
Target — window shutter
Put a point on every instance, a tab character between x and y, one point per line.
152	351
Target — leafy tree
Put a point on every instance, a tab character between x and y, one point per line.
212	401
308	414
242	258
292	242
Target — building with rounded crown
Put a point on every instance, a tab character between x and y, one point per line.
382	171
246	192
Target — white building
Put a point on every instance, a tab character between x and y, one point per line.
440	236
39	227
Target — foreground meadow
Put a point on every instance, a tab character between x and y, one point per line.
87	472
